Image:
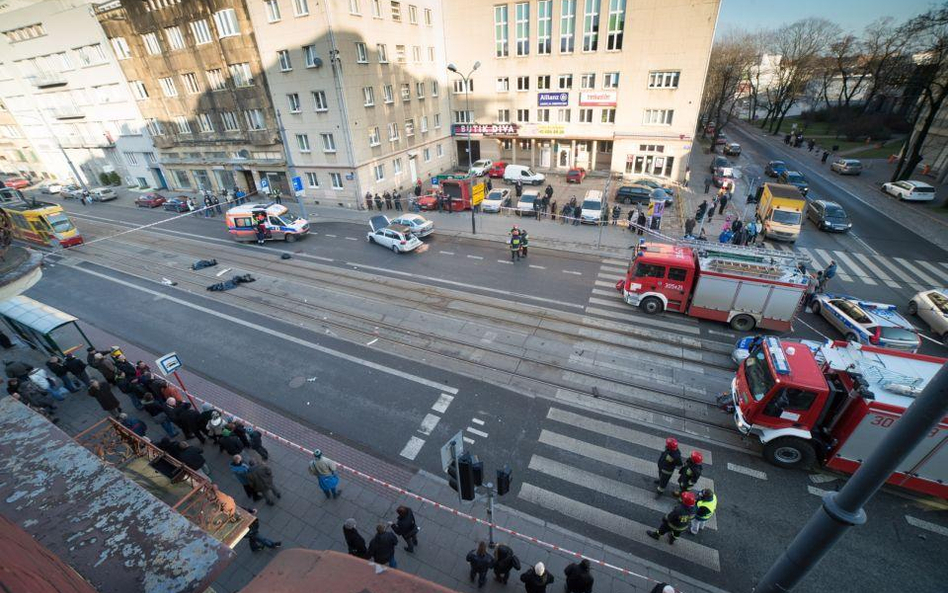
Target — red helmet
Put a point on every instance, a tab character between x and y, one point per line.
688	498
671	443
697	457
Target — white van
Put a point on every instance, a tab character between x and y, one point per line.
523	174
593	205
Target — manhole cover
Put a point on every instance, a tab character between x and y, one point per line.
297	382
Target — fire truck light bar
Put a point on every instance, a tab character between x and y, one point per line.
777	356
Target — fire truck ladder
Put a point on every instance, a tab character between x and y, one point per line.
891	380
750	254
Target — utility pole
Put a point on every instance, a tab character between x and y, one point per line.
844	509
467	111
290	168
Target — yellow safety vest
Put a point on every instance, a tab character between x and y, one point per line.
711	505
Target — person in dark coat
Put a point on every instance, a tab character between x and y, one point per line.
354	540
378	202
30	394
406	527
418	189
518	188
578	578
381	549
77	368
676	520
536	578
256	442
641	222
56	366
690	472
504	561
257	541
159	413
241	431
388	200
18	369
240	470
133	424
104	365
368	200
690	227
230	442
668	462
480	562
102	392
260	477
192	457
173	411
190	420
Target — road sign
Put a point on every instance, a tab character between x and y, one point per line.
264	183
298	185
446	459
169	363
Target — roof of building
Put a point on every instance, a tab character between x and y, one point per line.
29	567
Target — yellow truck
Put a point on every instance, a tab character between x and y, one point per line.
780	210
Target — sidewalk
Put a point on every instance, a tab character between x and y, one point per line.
304	518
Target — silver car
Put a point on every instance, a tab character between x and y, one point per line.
847	166
932	307
419	225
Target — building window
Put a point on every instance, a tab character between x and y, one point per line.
566	81
563	116
591	25
138	89
406	91
424	124
610	80
434	88
182	178
503	116
151	44
587	81
167	86
503	84
409	127
544	26
207	124
428	17
64	62
543	115
440	151
254	119
397	166
393	132
616	24
302	142
215	79
319	101
383	53
293	100
273	10
241	75
377	8
154	127
463	117
523	115
523	28
174	37
658	117
501	32
431	54
437	120
523	83
567	26
585	116
396	11
184	126
374	139
226	22
310	56
329	143
336	180
354	7
426	154
379	172
284	57
412	14
400	54
420	90
311	180
543	82
191	83
130	158
201	32
461	87
608	116
387	94
663	80
416	54
301	8
362	55
121	48
368	96
230	121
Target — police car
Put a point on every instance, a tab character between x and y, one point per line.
876	324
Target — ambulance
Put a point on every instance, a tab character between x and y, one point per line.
281	224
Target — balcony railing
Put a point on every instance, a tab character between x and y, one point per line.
67	112
45	80
85	142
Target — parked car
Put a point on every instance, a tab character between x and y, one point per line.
723	175
575	175
796	179
847	166
525	203
733	149
876	324
719	161
910	191
495	200
775	168
720	139
16	182
428	202
828	216
396	237
419	225
932	307
177	204
649	183
150	200
479	168
496	170
51	187
523	174
103	194
630	194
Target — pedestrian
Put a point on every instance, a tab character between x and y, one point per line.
518	188
388	200
536	209
378	202
480	562
700	212
707	503
786	139
406	527
260	477
722	203
217	205
676	520
737	225
44	381
215	426
397	198
663	588
325	471
133	424
229	442
548	193
811	143
553	210
418	189
257	541
208	206
30	394
690	227
825	156
77	368
536	578
193	457
240	471
712	208
616	213
59	370
190	419
828	274
668	462
689	473
381	548
707	184
641	222
368	200
565	213
105	366
504	561
102	392
490	185
256	443
157	411
578	578
354	541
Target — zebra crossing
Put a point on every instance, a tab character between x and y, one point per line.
601	474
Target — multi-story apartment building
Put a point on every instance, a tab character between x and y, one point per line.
601	84
17	155
359	85
194	69
60	82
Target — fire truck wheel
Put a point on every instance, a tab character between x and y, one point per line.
652	305
743	323
790	452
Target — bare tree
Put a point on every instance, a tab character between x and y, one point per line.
758	42
731	59
884	49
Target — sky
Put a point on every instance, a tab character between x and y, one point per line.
853	15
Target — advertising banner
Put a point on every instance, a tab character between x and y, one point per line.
484	129
597	99
553	99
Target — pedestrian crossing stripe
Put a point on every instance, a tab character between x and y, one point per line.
928	279
857	271
943	274
873	269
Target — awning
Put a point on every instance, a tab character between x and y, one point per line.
34	314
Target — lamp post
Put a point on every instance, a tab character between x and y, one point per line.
467	110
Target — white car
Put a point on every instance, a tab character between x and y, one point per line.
525	175
103	194
419	225
396	237
495	200
51	187
913	191
932	307
525	204
479	168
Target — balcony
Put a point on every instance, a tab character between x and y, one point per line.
86	142
263	137
45	80
67	112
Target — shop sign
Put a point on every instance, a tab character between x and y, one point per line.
484	129
553	99
597	99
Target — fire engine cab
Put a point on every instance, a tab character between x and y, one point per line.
833	405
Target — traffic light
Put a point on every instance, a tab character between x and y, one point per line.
503	480
466	482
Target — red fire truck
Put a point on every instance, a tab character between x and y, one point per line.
743	286
833	404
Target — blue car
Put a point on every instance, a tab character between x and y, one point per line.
874	324
775	168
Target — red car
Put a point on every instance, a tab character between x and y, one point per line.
16	183
429	202
575	175
150	201
497	169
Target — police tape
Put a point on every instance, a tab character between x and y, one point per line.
435	504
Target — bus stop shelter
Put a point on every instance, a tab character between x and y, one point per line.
42	326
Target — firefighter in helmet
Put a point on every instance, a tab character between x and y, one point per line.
515	244
676	520
668	462
689	473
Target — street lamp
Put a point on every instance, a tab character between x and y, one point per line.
467	109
